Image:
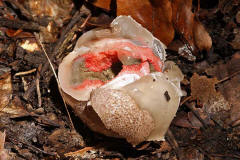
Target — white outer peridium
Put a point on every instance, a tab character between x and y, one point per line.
148	92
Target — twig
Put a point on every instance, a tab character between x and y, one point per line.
77	16
25	86
185	100
63	40
17	141
78	153
55	51
25	72
172	141
192	108
228	77
226	156
50	63
38	86
70	36
24	12
18	24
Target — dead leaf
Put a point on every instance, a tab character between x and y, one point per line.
201	37
1	3
230	88
60	139
214	104
203	88
13	33
29	44
194	120
14	109
182	120
79	152
156	18
165	146
18	33
5	90
105	4
183	19
186	23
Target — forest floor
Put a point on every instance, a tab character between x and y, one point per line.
37	126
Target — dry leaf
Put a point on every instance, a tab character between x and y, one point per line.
182	120
230	88
183	19
214	104
157	18
105	4
60	139
186	24
1	3
201	37
29	45
203	89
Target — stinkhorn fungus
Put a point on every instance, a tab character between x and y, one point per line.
118	84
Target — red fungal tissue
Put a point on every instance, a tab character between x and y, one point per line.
100	61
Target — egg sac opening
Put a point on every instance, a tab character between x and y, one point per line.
97	68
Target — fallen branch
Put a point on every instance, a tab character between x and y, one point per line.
18	24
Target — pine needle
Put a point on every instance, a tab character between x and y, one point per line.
55	75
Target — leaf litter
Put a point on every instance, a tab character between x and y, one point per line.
209	118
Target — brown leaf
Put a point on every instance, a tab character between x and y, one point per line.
157	18
186	23
60	139
1	3
214	104
201	37
203	89
18	33
13	33
183	19
105	4
230	88
182	120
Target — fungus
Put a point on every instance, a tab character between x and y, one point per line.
121	75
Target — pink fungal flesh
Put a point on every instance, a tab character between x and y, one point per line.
99	61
